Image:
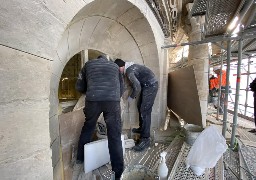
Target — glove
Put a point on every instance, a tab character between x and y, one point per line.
129	99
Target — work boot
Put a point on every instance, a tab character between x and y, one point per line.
136	130
143	144
252	131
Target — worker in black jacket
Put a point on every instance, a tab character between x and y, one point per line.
253	89
144	86
102	83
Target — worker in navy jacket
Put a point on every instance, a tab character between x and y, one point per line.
102	83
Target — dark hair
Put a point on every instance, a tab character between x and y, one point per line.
120	62
102	56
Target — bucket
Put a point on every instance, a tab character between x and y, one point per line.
138	172
192	132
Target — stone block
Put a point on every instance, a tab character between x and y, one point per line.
67	155
204	107
141	5
38	35
156	108
138	26
87	31
135	56
148	49
156	71
68	173
151	60
23	76
32	166
130	120
144	38
54	103
56	71
129	46
55	151
74	38
54	84
63	49
58	171
200	64
25	146
115	29
94	8
64	10
117	8
198	52
204	115
130	16
124	36
100	39
54	128
155	121
70	126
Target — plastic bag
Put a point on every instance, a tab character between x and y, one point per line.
206	151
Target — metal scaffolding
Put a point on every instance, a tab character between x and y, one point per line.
241	46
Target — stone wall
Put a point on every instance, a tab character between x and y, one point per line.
198	57
70	128
24	118
41	40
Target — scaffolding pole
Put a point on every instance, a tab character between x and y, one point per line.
247	85
220	84
224	128
247	34
240	46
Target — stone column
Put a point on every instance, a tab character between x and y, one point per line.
84	57
198	58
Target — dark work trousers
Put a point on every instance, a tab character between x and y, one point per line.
145	104
222	100
112	116
254	95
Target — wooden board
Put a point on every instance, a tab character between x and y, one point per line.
182	96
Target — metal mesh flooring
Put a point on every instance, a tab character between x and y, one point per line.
231	162
199	8
148	158
237	164
249	165
219	14
241	164
179	171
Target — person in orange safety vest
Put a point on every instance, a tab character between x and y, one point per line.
214	87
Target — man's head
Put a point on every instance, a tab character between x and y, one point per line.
217	69
102	56
121	64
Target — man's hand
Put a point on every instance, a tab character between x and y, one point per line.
129	99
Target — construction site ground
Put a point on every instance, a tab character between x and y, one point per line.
236	163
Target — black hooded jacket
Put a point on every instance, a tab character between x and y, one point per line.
140	77
100	80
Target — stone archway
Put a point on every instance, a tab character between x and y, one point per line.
125	30
38	38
